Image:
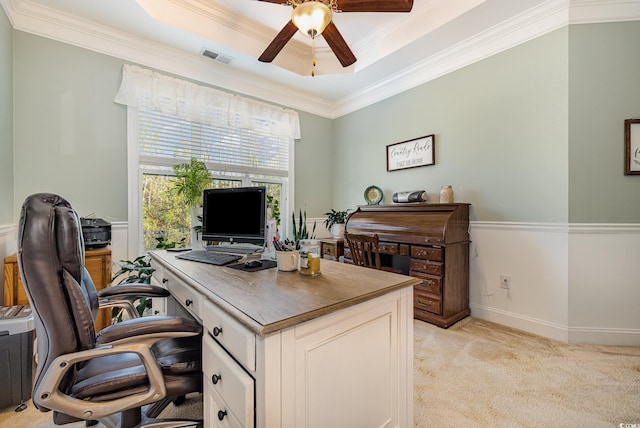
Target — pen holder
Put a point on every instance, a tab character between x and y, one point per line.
287	260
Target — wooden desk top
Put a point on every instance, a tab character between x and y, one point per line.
269	300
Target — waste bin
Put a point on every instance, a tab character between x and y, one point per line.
16	354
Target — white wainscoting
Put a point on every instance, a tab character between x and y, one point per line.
604	285
535	257
119	240
578	283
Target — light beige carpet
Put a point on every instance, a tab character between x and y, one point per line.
479	374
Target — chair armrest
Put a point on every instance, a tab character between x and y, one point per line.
135	329
124	295
133	290
49	396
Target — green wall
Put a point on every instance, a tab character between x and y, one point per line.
70	137
532	134
6	119
500	128
604	90
314	166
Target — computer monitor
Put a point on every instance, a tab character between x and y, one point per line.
235	215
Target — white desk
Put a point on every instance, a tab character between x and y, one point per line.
284	350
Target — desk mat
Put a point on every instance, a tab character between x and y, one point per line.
266	264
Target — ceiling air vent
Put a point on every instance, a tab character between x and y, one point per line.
216	56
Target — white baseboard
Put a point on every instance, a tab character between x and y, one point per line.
520	322
582	335
605	336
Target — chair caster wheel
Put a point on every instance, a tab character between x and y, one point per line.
179	400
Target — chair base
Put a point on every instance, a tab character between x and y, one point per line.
134	418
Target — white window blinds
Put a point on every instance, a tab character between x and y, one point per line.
167	140
179	120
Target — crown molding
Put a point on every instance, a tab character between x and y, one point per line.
34	18
533	23
598	11
46	22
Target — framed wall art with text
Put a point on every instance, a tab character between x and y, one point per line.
411	154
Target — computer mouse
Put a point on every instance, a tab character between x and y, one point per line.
252	263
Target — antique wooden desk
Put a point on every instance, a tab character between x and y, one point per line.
332	248
426	241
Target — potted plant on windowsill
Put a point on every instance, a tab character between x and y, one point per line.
335	222
192	179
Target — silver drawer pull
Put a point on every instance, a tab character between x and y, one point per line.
221	414
216	378
217	331
425	302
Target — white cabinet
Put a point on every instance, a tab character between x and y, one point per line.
348	367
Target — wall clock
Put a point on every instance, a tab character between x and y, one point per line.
373	195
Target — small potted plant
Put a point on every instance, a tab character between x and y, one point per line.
300	230
335	222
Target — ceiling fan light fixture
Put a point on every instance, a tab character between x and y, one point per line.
311	18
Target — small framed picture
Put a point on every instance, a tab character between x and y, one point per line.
411	153
632	147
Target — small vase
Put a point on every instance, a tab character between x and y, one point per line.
337	230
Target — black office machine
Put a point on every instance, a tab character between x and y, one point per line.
96	232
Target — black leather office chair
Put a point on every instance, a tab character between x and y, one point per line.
81	375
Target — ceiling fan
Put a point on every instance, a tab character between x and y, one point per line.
313	17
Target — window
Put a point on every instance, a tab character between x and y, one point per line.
242	142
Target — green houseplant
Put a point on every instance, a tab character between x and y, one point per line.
300	230
136	271
335	222
192	179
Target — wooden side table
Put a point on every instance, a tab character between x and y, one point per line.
97	262
332	248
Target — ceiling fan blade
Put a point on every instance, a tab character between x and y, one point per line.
278	43
374	5
338	45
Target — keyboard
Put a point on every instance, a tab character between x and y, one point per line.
235	249
218	259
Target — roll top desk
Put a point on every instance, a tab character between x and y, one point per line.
426	241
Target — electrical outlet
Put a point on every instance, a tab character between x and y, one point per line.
505	282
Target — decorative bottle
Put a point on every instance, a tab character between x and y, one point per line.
446	195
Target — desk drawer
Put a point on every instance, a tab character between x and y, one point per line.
427	253
187	297
232	335
329	250
430	284
426	302
426	266
216	412
232	387
388	248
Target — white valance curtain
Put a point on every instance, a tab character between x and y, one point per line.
148	90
